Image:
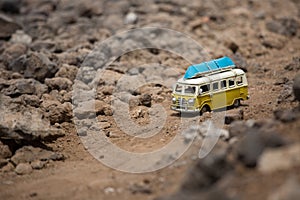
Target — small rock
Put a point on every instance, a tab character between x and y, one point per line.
294	65
103	125
239	128
8	168
273	41
260	15
39	66
67	71
234	115
285	158
18	64
3	162
57	112
232	46
7	26
21	37
58	83
285	115
131	18
130	83
38	45
109	190
5	152
31	100
11	54
140	188
286	95
282	81
283	26
240	61
23	168
145	100
28	154
37	164
296	87
85	110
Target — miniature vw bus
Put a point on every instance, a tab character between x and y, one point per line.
210	85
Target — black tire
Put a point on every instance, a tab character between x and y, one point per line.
204	109
236	103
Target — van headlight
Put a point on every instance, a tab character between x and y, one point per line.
173	100
191	101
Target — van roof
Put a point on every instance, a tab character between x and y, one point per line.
201	69
211	78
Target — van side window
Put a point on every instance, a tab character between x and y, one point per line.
204	88
231	83
215	86
239	80
223	84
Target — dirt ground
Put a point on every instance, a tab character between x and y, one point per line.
262	37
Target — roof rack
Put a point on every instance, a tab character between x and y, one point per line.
210	67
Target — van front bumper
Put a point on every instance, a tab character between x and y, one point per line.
185	109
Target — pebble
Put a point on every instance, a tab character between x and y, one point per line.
21	37
131	18
23	168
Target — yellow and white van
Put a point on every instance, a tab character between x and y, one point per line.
209	86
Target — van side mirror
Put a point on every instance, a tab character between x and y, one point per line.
200	91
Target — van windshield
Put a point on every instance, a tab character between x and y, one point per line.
185	89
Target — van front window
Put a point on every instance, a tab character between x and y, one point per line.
190	90
185	89
178	88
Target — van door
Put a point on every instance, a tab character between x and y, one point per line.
218	96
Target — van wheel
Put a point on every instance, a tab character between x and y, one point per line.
204	109
236	103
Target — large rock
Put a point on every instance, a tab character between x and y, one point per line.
250	147
7	26
39	67
273	160
24	86
201	182
29	154
25	123
206	172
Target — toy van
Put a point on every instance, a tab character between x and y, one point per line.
210	85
